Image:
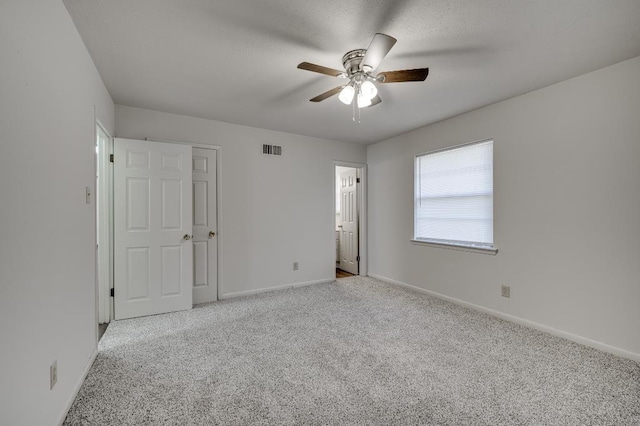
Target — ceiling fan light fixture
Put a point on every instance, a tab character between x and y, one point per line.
368	90
363	101
346	95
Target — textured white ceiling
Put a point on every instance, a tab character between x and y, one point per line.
235	61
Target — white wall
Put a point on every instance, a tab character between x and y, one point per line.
274	210
566	206
48	89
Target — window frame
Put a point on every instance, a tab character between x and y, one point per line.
449	244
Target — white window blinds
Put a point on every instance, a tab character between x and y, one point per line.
454	195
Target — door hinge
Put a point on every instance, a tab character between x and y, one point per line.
111	158
113	292
357	180
357	258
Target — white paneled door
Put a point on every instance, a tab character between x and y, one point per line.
349	221
205	239
153	251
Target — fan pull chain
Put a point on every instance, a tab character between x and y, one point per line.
356	107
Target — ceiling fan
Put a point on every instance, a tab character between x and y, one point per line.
359	65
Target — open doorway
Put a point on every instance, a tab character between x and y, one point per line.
204	161
104	219
349	219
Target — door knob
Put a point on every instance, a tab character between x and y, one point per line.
212	234
187	237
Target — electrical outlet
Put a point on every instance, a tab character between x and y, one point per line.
53	374
295	266
506	291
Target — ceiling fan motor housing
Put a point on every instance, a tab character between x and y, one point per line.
351	62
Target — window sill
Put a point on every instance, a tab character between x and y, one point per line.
455	246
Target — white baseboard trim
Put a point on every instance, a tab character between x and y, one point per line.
83	376
274	288
518	320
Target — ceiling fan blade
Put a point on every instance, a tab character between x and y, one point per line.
327	94
375	101
419	74
377	50
320	69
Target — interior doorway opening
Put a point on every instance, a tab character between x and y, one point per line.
104	223
349	218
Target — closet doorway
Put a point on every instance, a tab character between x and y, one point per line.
204	160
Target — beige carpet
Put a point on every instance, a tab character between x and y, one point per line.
356	351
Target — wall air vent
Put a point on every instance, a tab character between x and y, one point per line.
271	149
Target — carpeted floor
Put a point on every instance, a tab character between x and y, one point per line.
353	352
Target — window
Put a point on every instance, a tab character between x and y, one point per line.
454	197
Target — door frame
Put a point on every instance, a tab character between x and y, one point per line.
219	232
361	195
104	227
